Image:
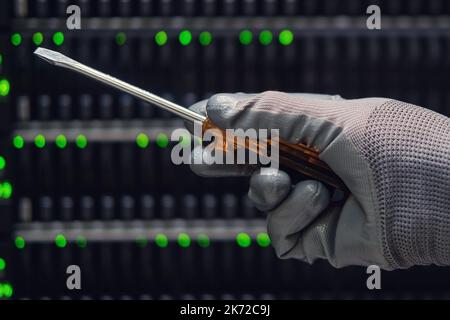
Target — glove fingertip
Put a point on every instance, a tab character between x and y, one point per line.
313	194
269	189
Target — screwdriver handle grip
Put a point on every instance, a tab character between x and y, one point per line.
298	157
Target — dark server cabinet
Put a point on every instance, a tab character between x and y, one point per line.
85	172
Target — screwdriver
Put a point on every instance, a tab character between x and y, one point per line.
298	157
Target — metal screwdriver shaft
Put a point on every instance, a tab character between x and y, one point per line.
295	156
60	60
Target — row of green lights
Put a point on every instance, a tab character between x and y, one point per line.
161	38
6	290
285	37
80	141
5	190
5	187
161	241
244	240
38	38
184	240
142	140
60	141
60	241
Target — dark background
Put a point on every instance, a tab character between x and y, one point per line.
119	196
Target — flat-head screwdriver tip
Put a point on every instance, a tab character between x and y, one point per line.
53	57
60	60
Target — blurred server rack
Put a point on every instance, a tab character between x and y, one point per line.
87	177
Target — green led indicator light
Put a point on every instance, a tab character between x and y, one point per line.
4	87
185	140
263	239
265	37
141	242
142	140
185	37
5	190
81	141
243	240
286	37
58	38
161	38
161	240
19	242
16	39
18	142
39	141
2	163
38	38
7	290
1	58
61	141
60	241
203	240
121	38
184	240
205	38
162	140
245	37
81	242
2	264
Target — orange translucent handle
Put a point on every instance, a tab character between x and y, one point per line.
298	157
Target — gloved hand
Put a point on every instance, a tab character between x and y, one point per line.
394	158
